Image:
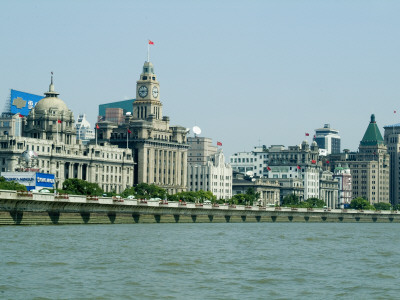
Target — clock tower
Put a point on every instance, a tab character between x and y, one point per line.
147	101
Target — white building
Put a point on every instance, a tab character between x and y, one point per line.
214	176
343	176
84	132
328	138
255	161
297	162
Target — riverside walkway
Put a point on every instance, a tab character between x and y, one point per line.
26	208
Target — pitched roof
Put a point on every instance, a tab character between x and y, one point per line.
372	135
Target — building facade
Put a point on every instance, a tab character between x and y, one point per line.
213	175
84	132
159	149
328	139
344	178
200	149
392	140
49	135
297	162
369	167
269	189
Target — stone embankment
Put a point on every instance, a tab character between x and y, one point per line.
26	208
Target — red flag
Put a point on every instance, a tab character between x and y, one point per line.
97	126
59	121
313	161
219	144
21	116
268	168
298	167
129	131
151	42
307	134
327	161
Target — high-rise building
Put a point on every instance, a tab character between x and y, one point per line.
125	105
369	167
200	149
392	140
328	139
160	150
84	132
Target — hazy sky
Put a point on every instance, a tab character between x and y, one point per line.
246	72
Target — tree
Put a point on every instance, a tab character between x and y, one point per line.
252	196
382	206
360	203
290	200
81	187
147	191
11	185
314	202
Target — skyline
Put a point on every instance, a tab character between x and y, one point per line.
248	74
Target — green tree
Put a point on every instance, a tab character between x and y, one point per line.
360	203
81	187
11	185
314	202
290	200
382	206
252	196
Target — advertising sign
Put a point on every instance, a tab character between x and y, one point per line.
25	178
22	103
45	180
31	180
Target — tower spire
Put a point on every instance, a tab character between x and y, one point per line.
51	92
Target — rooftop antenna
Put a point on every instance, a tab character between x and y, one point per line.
196	130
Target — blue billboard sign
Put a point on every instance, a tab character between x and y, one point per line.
45	180
22	102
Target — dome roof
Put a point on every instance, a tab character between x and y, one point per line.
51	102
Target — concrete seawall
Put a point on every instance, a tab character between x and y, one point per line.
18	208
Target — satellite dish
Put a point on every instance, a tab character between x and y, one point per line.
128	113
249	173
187	130
196	130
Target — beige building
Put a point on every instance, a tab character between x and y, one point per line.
49	134
269	189
159	149
369	167
200	149
329	189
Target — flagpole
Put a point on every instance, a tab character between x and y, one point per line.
148	51
96	134
57	131
127	136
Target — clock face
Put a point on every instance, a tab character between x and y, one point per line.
155	91
142	91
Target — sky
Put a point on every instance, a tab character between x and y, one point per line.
248	73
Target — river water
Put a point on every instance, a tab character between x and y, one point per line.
201	261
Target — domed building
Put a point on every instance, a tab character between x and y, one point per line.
49	131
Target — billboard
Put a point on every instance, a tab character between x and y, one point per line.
32	180
22	102
45	180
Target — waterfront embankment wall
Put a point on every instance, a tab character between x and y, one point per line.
23	208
